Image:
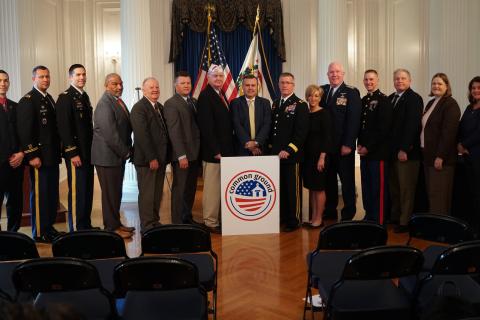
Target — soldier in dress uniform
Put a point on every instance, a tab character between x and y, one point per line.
345	105
74	121
39	140
288	132
373	147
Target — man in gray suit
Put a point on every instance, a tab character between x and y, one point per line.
180	114
151	152
251	116
111	147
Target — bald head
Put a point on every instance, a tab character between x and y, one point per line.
151	89
335	73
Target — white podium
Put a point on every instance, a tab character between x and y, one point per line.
250	191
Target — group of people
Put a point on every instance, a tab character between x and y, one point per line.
315	140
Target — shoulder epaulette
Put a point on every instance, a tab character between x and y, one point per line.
28	96
351	87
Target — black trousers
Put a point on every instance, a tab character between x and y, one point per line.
43	198
344	166
111	183
472	168
11	186
184	187
80	195
290	194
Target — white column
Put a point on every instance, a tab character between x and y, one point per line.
136	65
10	48
333	39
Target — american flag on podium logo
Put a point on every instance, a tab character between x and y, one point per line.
213	54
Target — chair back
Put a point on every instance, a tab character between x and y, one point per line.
55	274
439	228
154	274
385	262
16	246
89	244
352	235
463	258
176	238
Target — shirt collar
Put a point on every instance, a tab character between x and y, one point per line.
78	89
43	94
287	97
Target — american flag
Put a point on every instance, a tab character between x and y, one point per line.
217	57
250	196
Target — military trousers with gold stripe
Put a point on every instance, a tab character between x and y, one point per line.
290	194
43	198
80	195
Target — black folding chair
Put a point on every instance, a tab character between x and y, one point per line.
438	228
456	265
160	288
16	246
89	244
336	244
69	281
365	289
189	242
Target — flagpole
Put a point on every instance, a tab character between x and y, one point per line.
210	8
257	24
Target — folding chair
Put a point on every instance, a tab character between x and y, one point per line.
366	289
336	244
456	265
16	246
437	228
160	288
89	244
69	281
189	242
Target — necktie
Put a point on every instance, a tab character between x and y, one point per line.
192	105
3	102
160	113
282	101
223	99
123	106
395	99
251	117
330	94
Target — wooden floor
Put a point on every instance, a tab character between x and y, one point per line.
259	276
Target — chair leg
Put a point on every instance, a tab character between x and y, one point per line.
308	297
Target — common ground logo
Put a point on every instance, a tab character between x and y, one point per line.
250	195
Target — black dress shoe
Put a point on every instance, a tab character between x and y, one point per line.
54	232
193	222
400	229
290	228
215	230
46	238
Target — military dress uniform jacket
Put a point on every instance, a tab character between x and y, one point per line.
74	121
407	124
37	128
289	128
8	131
377	113
345	107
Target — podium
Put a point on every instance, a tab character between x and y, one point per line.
250	193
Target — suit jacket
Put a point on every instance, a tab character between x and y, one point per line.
8	131
182	128
150	134
407	124
112	133
469	131
37	128
290	125
215	124
241	123
74	121
345	107
440	132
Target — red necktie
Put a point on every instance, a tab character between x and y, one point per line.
3	102
122	104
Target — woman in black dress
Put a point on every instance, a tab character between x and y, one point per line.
317	146
469	147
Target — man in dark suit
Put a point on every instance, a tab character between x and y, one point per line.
11	157
287	135
74	121
180	113
405	142
216	134
374	148
343	101
151	152
251	116
39	140
111	147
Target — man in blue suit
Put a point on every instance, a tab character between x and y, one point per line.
345	105
251	117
